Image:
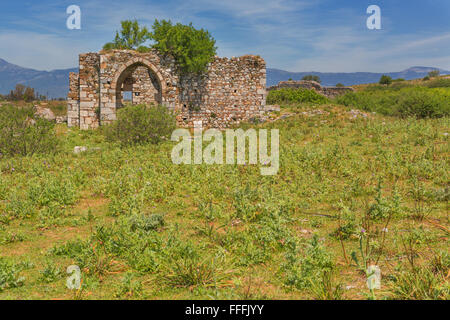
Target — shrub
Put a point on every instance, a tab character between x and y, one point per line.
140	124
434	73
311	77
9	275
300	95
409	101
129	287
423	103
300	272
50	273
340	85
146	223
385	80
58	191
24	133
439	83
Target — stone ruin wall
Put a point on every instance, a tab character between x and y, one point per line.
230	91
329	92
73	99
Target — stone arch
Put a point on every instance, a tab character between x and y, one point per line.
135	62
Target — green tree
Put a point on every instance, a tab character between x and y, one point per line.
193	49
311	77
385	80
18	92
132	36
340	85
28	95
434	73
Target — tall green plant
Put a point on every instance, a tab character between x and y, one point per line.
132	36
193	49
22	132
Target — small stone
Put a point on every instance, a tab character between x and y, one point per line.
79	149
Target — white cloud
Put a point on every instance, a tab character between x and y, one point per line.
286	33
39	51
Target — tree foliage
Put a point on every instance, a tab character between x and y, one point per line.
385	79
132	37
192	49
21	92
434	73
311	77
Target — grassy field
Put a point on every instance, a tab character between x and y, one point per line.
353	190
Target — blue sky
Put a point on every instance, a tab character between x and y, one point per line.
294	35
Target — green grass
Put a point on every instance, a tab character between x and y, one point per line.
294	96
141	227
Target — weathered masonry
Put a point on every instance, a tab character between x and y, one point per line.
230	91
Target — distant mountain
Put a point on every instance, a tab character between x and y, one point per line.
54	84
331	79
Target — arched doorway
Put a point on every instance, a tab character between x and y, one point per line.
138	77
138	84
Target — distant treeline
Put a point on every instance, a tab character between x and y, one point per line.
23	93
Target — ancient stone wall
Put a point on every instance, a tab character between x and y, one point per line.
89	90
230	91
329	92
73	100
145	86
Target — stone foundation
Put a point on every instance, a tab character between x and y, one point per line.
230	91
329	92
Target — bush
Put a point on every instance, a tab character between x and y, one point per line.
140	124
410	101
434	73
9	275
385	80
311	77
24	133
439	83
300	95
423	103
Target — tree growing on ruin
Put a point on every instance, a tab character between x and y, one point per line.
311	77
192	48
132	37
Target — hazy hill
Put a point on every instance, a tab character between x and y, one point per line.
52	83
331	79
55	83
